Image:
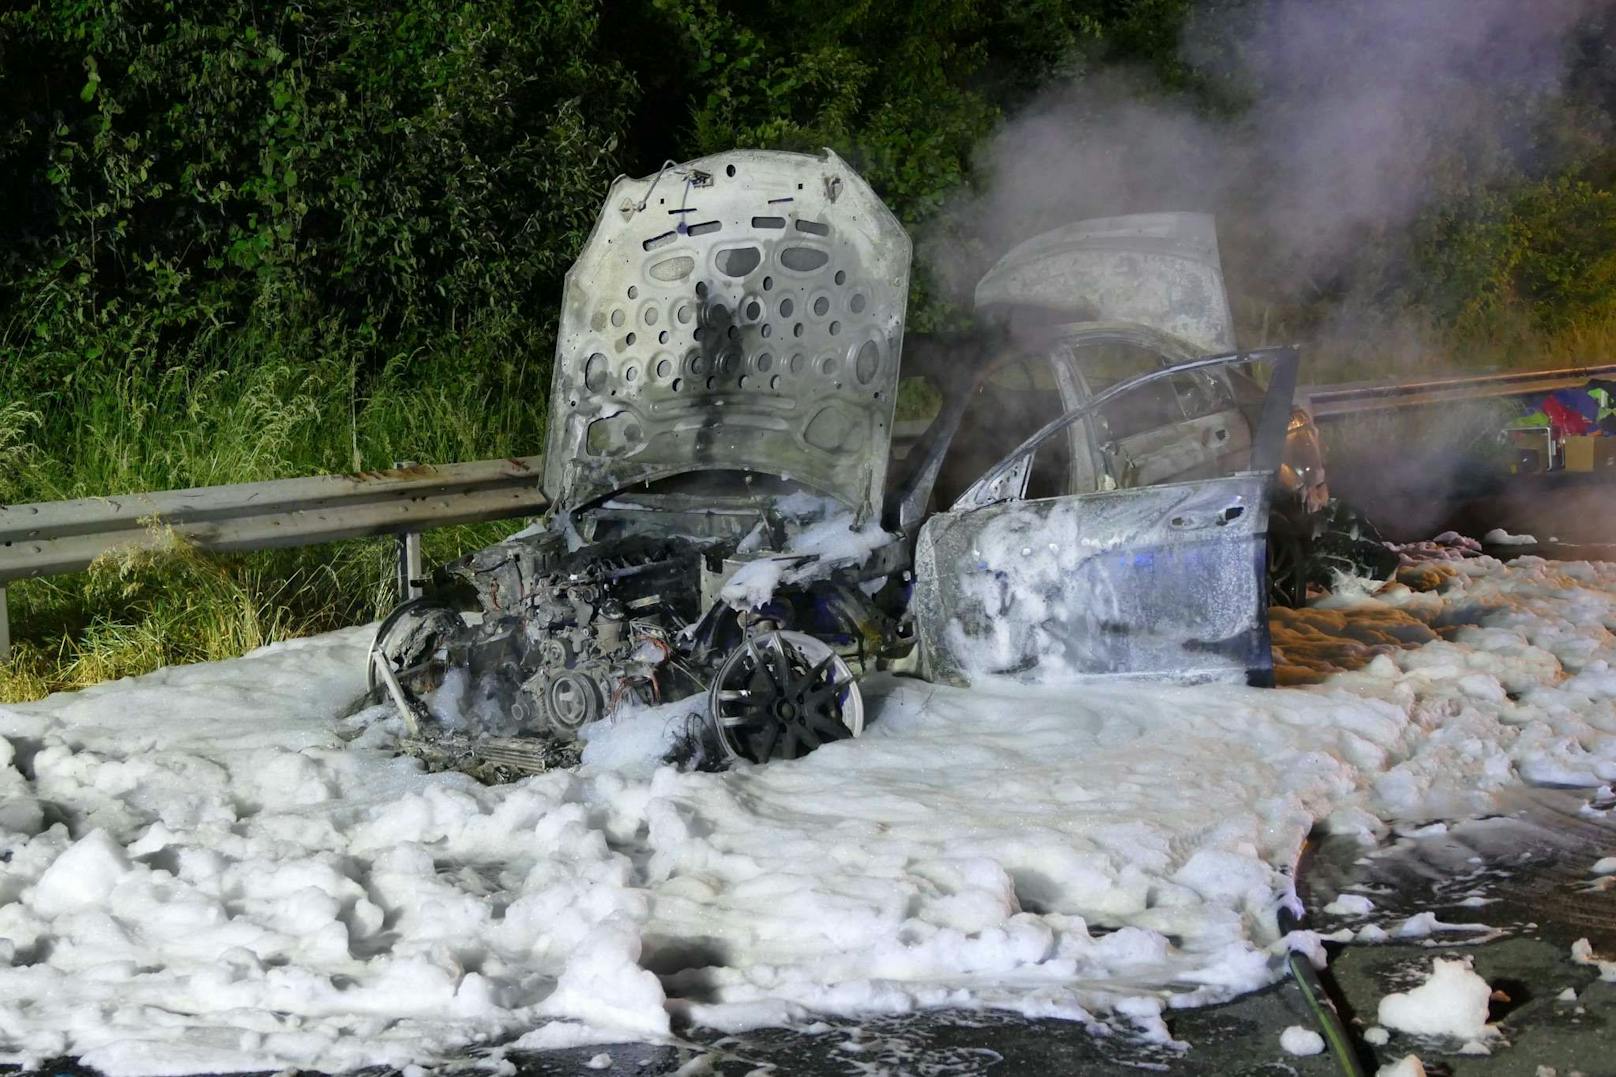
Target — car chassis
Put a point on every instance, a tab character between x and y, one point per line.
722	522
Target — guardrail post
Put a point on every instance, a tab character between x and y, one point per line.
5	627
410	568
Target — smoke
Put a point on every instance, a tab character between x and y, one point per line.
1343	121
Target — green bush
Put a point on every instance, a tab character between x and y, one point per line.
1543	253
325	177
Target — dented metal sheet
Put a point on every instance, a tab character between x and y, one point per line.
743	311
1160	581
1159	270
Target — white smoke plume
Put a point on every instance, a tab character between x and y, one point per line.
1345	120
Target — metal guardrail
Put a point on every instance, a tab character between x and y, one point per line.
67	536
1326	401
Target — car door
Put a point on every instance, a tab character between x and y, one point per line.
1165	580
1186	426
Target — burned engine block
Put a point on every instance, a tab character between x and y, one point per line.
530	639
556	638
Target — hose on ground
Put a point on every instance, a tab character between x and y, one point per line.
1329	1022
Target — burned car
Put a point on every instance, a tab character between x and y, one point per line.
1076	311
724	522
721	408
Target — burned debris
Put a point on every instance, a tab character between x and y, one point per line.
724	522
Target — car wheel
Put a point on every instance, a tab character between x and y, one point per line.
780	695
1287	567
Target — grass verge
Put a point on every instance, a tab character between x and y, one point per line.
121	427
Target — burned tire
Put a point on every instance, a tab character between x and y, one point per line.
1287	567
1340	541
409	635
780	695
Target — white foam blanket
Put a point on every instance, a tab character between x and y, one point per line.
197	873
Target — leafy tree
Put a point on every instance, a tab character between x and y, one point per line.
1545	250
905	91
384	172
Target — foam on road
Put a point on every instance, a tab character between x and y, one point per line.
207	870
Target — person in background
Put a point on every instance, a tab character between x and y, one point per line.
1604	391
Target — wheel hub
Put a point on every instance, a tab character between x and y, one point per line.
782	694
408	637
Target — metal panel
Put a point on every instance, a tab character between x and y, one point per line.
743	311
999	481
1161	581
1155	269
1189	448
66	536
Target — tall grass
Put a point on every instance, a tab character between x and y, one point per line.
121	427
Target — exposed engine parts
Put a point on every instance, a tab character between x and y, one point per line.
725	379
529	640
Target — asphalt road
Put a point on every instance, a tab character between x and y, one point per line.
1573	515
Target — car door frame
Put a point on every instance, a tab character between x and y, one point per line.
1149	518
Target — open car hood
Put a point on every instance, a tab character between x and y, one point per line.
742	312
1159	270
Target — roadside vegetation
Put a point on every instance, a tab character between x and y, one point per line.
245	242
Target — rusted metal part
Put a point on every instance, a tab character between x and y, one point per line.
491	759
66	536
739	312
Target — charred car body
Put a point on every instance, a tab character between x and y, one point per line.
723	393
724	522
